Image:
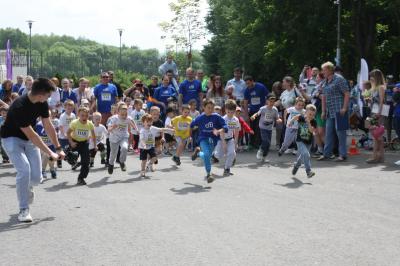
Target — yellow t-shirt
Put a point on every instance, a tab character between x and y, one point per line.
182	126
81	132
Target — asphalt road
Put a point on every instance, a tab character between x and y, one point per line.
348	214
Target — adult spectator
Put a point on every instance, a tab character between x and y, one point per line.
308	78
172	80
5	92
137	88
119	89
170	66
203	81
55	99
217	93
255	96
238	83
22	144
66	93
163	93
335	103
17	86
153	85
27	86
190	89
83	91
104	96
378	85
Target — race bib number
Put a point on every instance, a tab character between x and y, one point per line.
122	127
106	97
82	133
255	101
232	125
183	126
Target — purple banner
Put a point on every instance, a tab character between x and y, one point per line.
9	61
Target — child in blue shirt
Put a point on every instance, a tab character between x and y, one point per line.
211	127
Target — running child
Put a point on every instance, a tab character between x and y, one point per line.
136	116
169	137
307	126
101	135
269	115
211	127
291	125
119	127
65	120
147	143
45	157
181	125
228	144
193	114
157	122
80	131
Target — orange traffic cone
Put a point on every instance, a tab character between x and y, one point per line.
353	148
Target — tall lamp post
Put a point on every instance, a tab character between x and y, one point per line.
30	22
120	47
338	56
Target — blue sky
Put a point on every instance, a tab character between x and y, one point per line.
96	20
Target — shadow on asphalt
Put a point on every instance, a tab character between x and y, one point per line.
14	224
60	186
192	188
297	183
8	174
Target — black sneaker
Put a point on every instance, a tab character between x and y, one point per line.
195	154
294	170
75	166
53	174
310	174
210	179
156	161
214	159
227	172
91	164
103	161
176	160
59	164
280	153
123	167
81	182
110	169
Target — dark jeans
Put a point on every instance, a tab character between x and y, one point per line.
255	140
265	140
82	148
396	121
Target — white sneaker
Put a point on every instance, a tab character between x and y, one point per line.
31	195
259	154
288	151
265	160
294	152
24	216
397	163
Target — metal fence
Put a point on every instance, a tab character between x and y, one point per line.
49	64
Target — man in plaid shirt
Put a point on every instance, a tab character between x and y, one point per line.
335	102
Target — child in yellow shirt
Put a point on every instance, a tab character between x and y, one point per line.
181	125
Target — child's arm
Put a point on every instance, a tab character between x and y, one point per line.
246	127
72	143
253	117
295	118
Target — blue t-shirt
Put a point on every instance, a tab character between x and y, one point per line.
190	90
162	94
43	135
256	96
16	87
68	95
105	95
206	124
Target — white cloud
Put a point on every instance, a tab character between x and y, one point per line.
94	19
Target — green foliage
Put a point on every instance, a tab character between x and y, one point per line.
273	38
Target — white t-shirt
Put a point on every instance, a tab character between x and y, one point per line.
122	130
292	111
288	98
168	123
54	99
136	116
86	94
101	134
148	137
65	120
232	123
